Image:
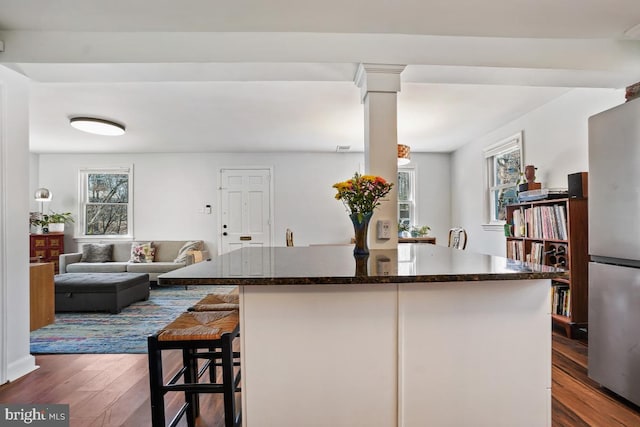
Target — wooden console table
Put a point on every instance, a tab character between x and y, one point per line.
425	239
41	295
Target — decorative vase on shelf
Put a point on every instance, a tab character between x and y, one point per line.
361	227
56	227
362	265
360	195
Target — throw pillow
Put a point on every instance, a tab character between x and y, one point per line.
194	245
96	252
142	252
196	256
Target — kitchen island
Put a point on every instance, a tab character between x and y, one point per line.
419	336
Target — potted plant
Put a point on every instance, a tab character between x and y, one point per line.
57	220
420	231
38	223
403	229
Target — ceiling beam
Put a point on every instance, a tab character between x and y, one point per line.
93	47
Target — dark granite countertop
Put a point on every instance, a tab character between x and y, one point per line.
410	263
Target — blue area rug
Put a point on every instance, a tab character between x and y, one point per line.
125	332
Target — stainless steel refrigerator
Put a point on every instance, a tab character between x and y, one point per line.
614	246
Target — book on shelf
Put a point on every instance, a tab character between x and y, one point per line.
563	222
519	228
515	250
561	300
544	222
537	253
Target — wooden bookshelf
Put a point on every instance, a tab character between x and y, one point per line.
555	232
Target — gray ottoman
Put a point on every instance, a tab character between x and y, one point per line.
100	291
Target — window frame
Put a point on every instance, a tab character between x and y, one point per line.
506	145
83	175
411	170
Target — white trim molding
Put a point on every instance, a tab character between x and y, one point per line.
83	173
509	144
4	356
378	78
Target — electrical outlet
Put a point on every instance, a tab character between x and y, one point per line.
384	229
383	264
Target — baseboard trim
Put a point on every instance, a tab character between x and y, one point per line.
21	367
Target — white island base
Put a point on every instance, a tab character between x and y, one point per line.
411	355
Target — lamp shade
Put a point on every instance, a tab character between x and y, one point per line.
42	195
404	154
97	126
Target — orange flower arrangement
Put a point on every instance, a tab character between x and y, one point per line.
362	193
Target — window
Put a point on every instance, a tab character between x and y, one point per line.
503	167
106	202
406	196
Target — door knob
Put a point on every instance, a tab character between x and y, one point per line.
224	234
224	226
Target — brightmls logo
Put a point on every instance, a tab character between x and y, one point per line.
34	415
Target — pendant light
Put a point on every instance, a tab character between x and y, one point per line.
404	155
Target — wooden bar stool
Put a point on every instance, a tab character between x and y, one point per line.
191	332
217	302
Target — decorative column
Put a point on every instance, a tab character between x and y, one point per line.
15	360
379	85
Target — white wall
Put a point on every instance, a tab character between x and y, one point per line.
15	359
555	138
169	189
433	195
34	182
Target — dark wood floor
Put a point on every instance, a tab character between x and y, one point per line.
112	390
577	400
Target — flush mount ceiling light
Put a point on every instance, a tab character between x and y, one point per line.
97	126
404	155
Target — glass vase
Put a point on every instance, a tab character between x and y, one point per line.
361	227
362	265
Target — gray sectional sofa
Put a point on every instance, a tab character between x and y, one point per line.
167	257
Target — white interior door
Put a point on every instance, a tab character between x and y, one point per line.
245	208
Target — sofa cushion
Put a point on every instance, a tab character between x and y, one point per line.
97	267
142	252
121	251
154	267
183	253
97	252
166	250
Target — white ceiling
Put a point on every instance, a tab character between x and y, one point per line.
202	75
